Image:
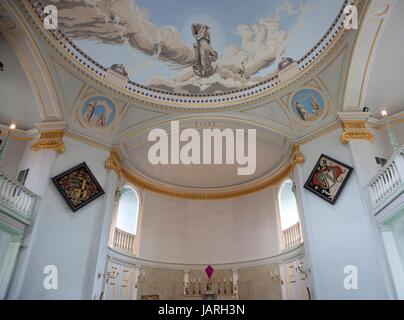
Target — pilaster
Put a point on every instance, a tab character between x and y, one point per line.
357	136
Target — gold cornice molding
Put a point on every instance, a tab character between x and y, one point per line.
219	195
355	130
50	140
114	162
57	146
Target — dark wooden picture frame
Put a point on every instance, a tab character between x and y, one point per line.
328	178
78	186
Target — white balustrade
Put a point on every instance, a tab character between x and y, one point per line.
389	182
16	197
124	241
292	236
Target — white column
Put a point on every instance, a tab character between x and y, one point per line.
41	166
397	269
101	239
8	262
299	178
340	235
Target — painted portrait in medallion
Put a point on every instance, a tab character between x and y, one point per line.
308	105
97	112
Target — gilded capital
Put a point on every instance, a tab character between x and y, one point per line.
297	156
50	140
113	163
355	130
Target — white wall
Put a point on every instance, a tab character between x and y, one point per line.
14	153
209	232
65	239
342	234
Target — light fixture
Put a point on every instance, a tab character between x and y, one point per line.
385	113
12	126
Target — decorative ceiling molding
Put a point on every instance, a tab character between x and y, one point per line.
116	161
366	44
208	195
33	63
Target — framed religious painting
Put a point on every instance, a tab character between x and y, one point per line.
328	178
78	186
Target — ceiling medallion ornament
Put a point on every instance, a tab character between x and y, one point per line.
97	112
308	105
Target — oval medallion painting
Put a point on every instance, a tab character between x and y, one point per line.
308	105
97	112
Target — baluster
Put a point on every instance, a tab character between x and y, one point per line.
396	174
19	199
118	238
293	236
4	190
372	194
384	184
388	179
2	183
8	192
391	177
28	205
379	190
23	197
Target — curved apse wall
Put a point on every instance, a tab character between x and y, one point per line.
209	232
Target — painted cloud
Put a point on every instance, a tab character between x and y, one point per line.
117	22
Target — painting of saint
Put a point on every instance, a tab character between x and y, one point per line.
308	105
90	111
205	55
97	112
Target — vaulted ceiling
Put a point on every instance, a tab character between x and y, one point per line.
73	82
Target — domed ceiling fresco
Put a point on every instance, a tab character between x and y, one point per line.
196	47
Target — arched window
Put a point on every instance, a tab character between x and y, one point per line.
128	210
287	205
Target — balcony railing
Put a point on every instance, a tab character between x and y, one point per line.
292	236
16	199
124	241
389	182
